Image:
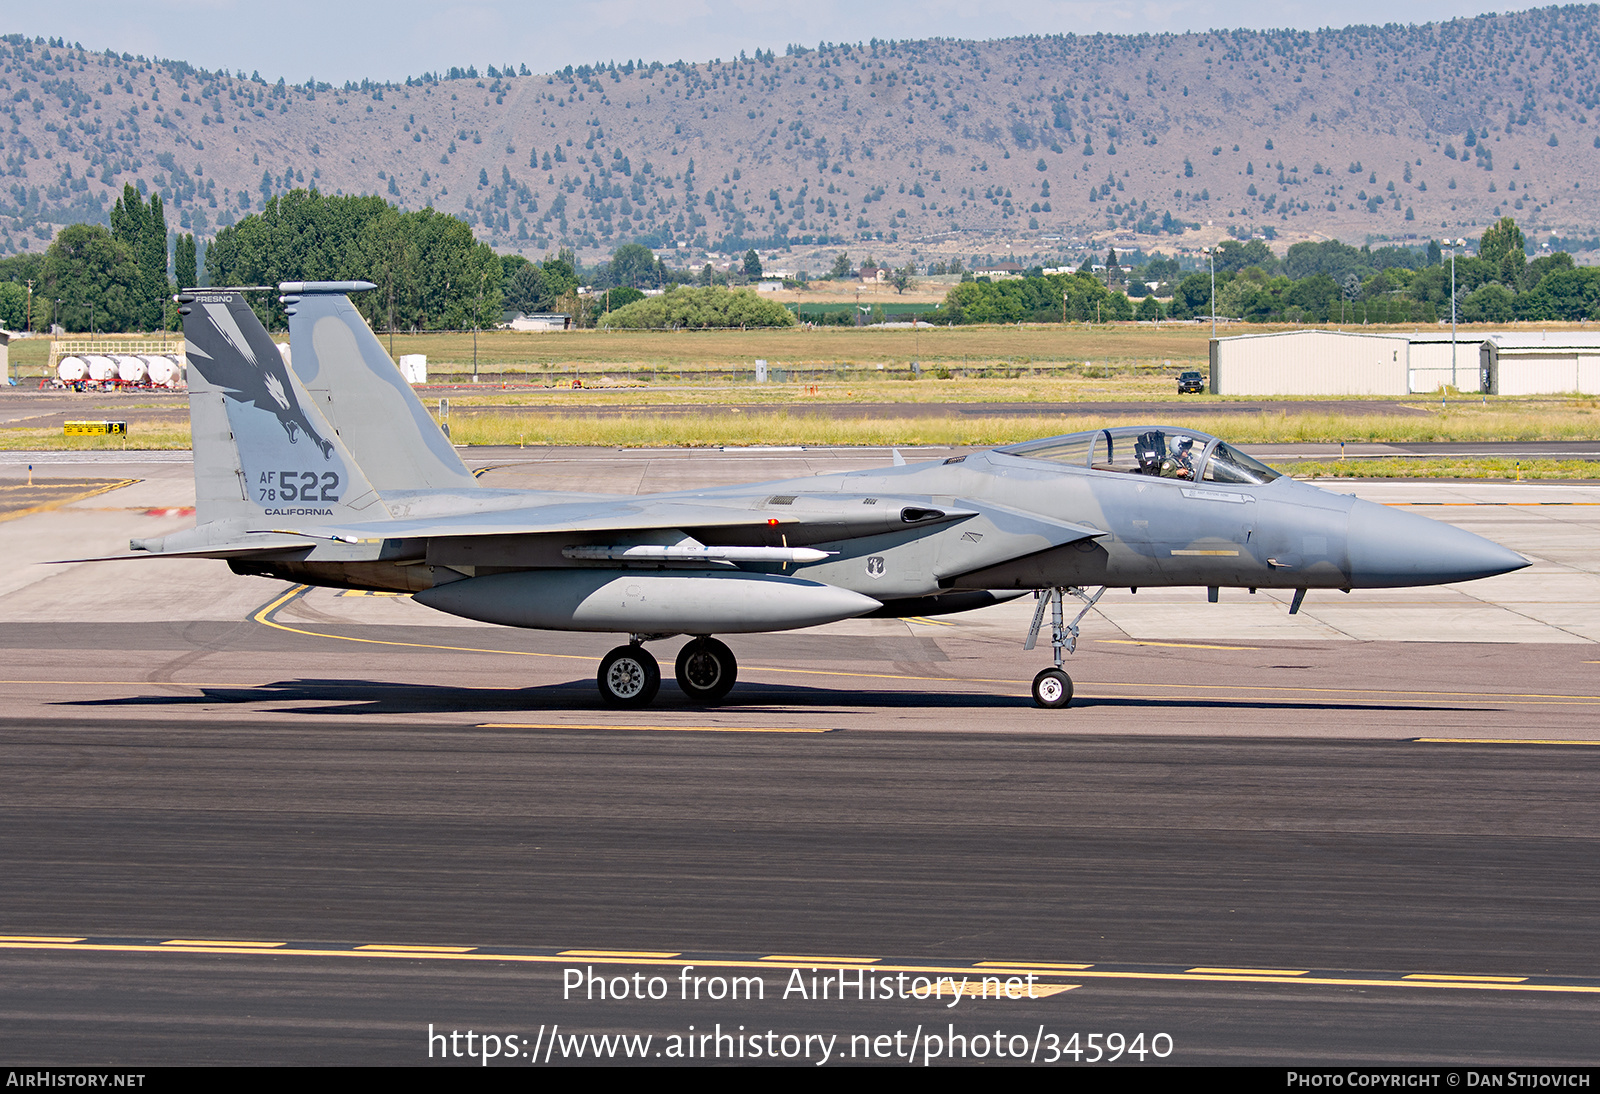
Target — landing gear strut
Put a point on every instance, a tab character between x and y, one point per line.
706	670
1052	688
629	676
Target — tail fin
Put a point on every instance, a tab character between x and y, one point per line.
262	450
361	393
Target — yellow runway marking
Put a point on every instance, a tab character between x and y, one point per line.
1173	645
84	490
1263	693
1500	741
40	939
928	970
1466	979
1041	966
929	622
261	617
618	953
655	729
995	990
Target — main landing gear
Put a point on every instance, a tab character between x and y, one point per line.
630	677
1052	688
706	670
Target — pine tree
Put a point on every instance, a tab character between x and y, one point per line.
183	262
143	228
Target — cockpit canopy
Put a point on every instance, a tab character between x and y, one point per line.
1156	450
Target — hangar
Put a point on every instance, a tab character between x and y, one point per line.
1311	362
1432	366
1325	362
1541	363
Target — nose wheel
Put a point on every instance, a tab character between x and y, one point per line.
1052	688
706	670
629	677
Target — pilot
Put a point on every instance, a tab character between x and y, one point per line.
1179	464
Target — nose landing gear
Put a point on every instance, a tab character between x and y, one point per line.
1052	688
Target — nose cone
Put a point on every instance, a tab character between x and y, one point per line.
1390	548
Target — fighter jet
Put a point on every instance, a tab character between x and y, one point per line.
379	500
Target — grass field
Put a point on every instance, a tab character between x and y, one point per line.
1432	468
1055	364
819	355
1569	419
822	349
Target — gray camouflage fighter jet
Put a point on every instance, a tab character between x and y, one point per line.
378	499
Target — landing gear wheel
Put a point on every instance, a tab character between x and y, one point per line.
706	670
629	677
1052	688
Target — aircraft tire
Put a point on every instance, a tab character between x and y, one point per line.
629	677
1052	689
706	670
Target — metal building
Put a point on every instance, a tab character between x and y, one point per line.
1432	366
1541	363
1311	362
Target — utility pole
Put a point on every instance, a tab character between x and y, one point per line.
1211	255
28	325
1453	247
477	317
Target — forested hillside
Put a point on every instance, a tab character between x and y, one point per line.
1360	133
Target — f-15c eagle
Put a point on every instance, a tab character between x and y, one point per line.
330	472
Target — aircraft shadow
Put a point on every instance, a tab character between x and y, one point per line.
373	697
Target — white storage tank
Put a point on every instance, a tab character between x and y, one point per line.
163	371
101	368
131	370
72	370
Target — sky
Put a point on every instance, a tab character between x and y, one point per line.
352	40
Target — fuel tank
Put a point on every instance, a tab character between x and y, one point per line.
647	602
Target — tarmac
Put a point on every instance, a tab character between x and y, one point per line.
252	823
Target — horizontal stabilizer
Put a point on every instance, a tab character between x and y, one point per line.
233	550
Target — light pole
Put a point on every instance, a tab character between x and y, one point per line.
1211	256
476	318
1453	245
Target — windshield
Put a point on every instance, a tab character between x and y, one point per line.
1230	465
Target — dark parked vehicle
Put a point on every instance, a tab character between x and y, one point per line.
1191	383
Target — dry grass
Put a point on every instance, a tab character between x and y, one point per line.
1446	468
51	440
1113	344
1553	420
731	427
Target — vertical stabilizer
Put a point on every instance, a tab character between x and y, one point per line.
362	394
262	451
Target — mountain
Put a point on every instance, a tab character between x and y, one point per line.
1020	146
